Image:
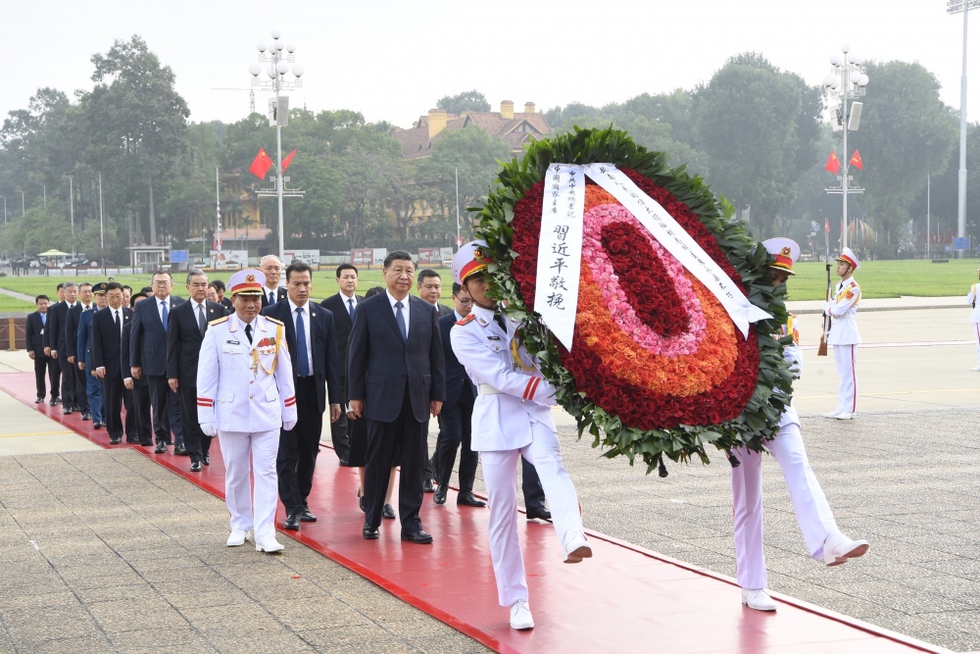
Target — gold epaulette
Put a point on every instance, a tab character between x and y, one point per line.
278	322
218	321
468	319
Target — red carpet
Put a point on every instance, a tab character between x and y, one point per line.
625	599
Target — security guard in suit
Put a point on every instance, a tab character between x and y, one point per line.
513	412
83	354
245	394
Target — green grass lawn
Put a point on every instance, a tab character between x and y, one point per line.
878	279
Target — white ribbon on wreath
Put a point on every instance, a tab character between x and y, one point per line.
560	247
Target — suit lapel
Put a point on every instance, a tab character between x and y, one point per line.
389	316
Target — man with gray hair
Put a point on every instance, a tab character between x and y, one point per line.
271	267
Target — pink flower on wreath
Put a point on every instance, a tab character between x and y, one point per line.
595	219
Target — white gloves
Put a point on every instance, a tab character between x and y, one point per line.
288	425
209	428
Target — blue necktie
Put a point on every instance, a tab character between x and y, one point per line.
400	321
302	354
350	308
164	315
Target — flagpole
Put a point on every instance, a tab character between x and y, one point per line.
217	209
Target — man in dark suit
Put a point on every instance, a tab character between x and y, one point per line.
456	418
57	337
271	267
343	305
430	289
35	348
313	353
219	288
136	396
83	358
72	319
188	323
107	328
54	367
148	356
397	376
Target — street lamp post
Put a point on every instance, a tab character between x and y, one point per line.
4	209
278	57
71	205
847	80
955	7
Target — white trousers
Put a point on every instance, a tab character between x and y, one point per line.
976	337
500	475
847	371
813	514
236	450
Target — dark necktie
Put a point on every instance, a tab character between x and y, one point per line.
499	319
302	354
248	333
350	308
115	318
201	320
165	314
272	297
400	321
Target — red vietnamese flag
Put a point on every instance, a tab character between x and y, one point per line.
288	160
856	161
833	163
261	165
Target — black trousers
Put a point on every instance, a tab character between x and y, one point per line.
81	388
142	412
384	440
195	441
68	399
455	430
54	373
132	434
112	396
166	410
531	486
298	449
338	430
42	370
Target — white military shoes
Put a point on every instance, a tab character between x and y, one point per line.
268	544
838	548
576	548
758	599
520	615
237	538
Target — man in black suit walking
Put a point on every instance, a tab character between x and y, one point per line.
54	367
188	323
35	349
148	356
136	396
58	339
72	319
397	376
271	267
313	353
343	305
107	328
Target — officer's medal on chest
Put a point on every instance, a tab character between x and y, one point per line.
268	345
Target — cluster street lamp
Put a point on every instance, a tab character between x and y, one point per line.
955	7
846	80
276	58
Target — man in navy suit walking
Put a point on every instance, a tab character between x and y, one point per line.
313	353
35	348
148	356
343	305
397	377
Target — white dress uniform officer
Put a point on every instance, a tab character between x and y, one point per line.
511	418
245	395
844	334
813	514
973	298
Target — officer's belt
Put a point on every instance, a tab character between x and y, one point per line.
487	389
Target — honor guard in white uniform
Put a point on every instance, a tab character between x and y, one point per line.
844	336
972	299
823	538
245	395
511	418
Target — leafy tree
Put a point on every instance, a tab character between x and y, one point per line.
466	101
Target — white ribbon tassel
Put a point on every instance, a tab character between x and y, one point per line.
560	247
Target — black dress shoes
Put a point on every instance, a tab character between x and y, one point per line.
468	499
207	459
39	400
55	400
538	514
440	497
115	441
195	466
180	450
306	515
97	425
86	416
427	486
388	512
67	410
161	448
292	522
419	537
369	533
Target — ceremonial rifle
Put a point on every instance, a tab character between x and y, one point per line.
822	350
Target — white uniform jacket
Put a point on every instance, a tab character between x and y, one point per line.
794	355
972	298
843	310
509	396
243	387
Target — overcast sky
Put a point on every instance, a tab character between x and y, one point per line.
393	59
